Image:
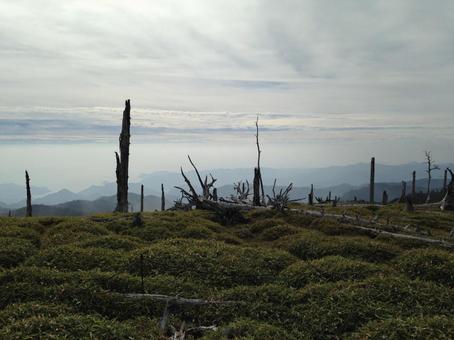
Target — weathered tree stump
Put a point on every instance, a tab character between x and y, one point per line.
123	161
28	211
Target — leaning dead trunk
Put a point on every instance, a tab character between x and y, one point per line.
28	211
123	161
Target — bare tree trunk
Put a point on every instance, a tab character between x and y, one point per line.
141	198
445	182
430	167
256	188
258	173
28	212
123	161
403	193
372	181
385	198
413	185
215	194
163	198
409	205
448	201
311	195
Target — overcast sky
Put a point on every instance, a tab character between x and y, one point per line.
332	81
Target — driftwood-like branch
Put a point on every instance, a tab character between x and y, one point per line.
28	211
242	192
175	300
355	222
281	200
122	160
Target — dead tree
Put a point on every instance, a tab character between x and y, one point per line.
141	198
403	193
123	161
372	181
413	185
385	198
445	182
409	204
335	201
242	191
163	198
215	194
191	196
28	211
259	199
431	166
448	201
311	196
281	200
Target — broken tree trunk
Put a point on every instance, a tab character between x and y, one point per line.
123	160
28	211
385	198
141	198
403	193
372	181
311	195
258	173
445	182
413	185
256	188
448	201
163	198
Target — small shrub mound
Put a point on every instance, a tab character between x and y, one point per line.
428	264
249	329
211	261
261	225
113	242
313	245
68	326
427	327
20	311
21	233
277	232
327	269
73	231
197	232
71	258
14	251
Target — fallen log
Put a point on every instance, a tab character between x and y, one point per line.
354	221
177	300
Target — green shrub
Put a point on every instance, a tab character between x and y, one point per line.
73	231
211	261
312	245
278	231
68	326
249	329
244	233
20	311
71	258
259	226
14	251
22	233
197	232
427	327
114	242
327	269
428	264
149	233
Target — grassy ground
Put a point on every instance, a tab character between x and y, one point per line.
292	276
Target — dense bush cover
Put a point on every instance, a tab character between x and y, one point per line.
433	327
211	261
286	276
428	264
327	269
14	251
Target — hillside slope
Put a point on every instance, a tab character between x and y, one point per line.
274	276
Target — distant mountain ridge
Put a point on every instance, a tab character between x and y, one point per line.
352	177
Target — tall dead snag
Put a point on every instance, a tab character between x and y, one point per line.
448	201
259	192
123	160
431	166
28	211
372	181
141	198
413	185
163	198
445	182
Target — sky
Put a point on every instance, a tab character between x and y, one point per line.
332	82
